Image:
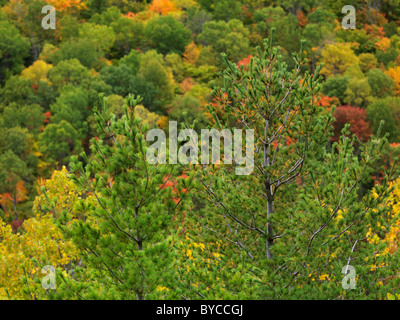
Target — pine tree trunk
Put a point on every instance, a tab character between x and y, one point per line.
270	211
268	191
139	242
15	207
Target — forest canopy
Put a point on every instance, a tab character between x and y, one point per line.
318	216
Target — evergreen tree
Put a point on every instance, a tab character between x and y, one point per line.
298	220
126	243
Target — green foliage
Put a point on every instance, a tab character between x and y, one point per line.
132	61
187	109
228	37
264	218
294	5
123	81
106	17
386	109
115	105
144	74
359	36
197	19
315	34
336	87
12	170
167	34
387	56
26	116
18	90
235	10
93	86
287	32
312	204
127	250
68	72
15	139
69	27
381	84
99	37
367	61
154	71
78	49
59	141
321	16
13	49
72	106
119	78
129	35
358	92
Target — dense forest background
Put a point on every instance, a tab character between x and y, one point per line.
169	53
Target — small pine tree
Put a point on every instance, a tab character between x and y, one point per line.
126	245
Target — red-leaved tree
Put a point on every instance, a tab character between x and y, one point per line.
356	117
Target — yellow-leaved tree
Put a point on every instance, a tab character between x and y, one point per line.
23	254
394	73
390	242
336	59
40	242
37	72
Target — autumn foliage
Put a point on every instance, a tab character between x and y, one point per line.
357	118
394	73
77	193
162	7
22	255
245	61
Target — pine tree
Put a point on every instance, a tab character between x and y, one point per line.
299	219
126	244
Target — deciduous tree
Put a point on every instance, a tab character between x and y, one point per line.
167	34
336	59
59	141
356	117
